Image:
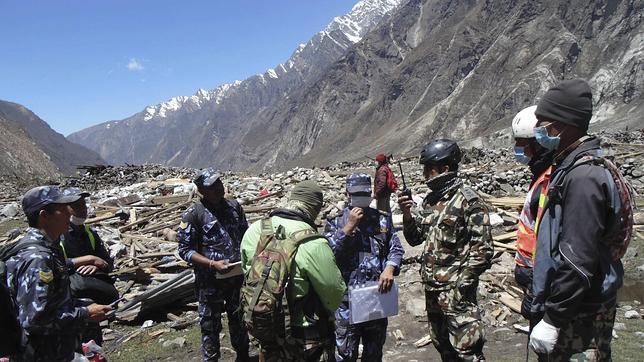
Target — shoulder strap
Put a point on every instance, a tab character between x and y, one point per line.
201	210
90	235
544	181
266	234
196	218
15	248
473	199
267	226
469	194
304	235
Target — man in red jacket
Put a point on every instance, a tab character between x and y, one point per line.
385	183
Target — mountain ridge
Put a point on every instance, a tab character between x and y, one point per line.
458	69
34	151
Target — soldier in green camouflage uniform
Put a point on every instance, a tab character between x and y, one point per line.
454	225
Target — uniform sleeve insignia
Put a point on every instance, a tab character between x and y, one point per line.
46	277
183	225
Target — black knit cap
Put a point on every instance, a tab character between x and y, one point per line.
569	102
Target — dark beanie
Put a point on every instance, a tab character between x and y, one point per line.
570	102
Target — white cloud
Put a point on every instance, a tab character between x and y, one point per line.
134	65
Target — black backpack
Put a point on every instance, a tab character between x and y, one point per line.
11	341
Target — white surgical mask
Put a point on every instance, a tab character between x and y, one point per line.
360	201
77	220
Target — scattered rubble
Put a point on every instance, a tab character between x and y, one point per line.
136	210
632	314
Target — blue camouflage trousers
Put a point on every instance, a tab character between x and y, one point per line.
347	337
212	302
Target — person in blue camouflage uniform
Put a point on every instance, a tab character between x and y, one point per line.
366	249
38	278
455	228
209	237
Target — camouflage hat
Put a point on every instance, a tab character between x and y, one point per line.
358	182
207	177
75	191
41	196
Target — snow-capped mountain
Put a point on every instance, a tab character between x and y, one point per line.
387	79
143	137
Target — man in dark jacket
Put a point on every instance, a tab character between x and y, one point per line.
382	189
209	237
87	256
575	279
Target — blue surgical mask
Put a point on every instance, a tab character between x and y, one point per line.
544	139
519	154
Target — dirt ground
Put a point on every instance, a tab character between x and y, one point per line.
503	342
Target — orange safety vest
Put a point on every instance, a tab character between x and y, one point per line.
526	234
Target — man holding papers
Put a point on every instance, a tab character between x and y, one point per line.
367	252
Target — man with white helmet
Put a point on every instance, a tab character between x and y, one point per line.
527	151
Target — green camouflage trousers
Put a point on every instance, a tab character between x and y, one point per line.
455	324
586	338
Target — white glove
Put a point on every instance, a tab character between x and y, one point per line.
544	337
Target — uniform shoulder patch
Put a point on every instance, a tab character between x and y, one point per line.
46	277
469	194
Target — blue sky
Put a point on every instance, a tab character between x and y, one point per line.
82	62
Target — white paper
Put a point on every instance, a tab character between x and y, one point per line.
367	303
234	269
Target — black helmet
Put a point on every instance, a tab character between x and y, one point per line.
441	151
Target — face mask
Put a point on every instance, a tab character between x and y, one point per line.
77	220
519	154
360	201
545	140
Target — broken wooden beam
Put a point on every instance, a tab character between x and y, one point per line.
423	341
505	246
171	199
509	301
150	217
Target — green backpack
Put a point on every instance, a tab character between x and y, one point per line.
262	296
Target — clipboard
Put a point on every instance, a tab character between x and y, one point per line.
234	269
367	303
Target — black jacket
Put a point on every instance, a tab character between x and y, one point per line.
76	243
574	274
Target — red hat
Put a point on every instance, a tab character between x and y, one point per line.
381	157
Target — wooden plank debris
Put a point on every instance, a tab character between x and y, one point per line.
505	246
510	301
423	341
507	202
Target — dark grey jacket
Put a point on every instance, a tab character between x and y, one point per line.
574	274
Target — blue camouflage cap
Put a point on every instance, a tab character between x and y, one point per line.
75	191
358	182
207	177
41	196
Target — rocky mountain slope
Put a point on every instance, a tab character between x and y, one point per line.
458	69
20	158
186	130
32	151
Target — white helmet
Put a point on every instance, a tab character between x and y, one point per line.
524	122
